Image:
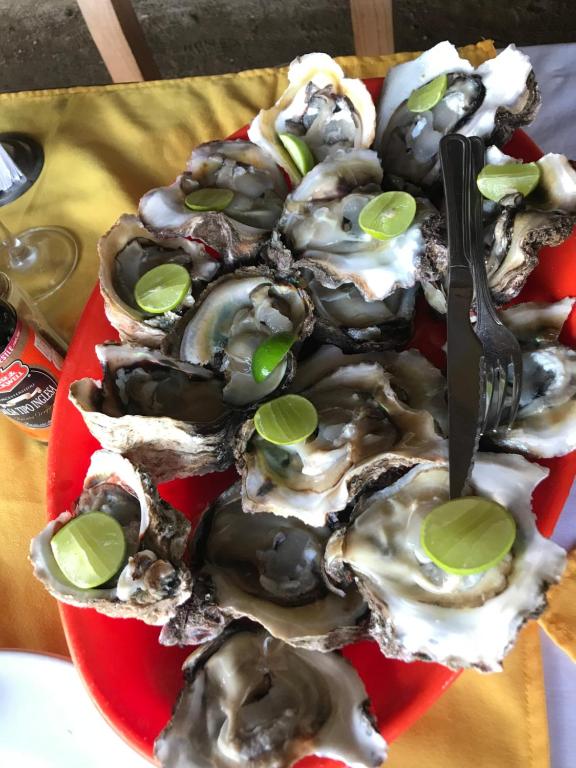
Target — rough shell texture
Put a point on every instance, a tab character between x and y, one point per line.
420	612
272	705
132	324
164	445
241	167
269	569
154	577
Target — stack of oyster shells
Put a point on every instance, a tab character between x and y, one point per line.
317	544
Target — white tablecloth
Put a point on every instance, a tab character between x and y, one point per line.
554	130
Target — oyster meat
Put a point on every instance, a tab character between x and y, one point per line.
153	581
127	252
168	417
546	422
229	322
419	611
490	101
364	431
322	107
269	569
250	699
238	231
320	225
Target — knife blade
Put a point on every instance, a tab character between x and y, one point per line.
464	351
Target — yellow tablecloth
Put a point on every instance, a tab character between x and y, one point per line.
105	146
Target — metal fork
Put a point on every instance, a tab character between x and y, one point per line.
502	355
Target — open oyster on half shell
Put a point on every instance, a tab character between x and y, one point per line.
364	432
490	101
153	580
320	226
238	231
126	253
231	319
269	569
250	699
418	611
546	422
168	417
322	107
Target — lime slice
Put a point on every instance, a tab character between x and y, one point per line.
209	199
428	95
89	549
270	354
299	152
496	181
388	215
163	288
468	535
288	419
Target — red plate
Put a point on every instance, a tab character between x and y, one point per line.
134	680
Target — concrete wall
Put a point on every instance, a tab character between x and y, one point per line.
44	43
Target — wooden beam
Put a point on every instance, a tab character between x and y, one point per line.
118	36
372	26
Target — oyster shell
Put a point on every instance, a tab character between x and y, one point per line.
154	580
249	699
126	252
231	319
546	422
167	417
237	232
364	432
320	225
418	610
269	569
322	107
490	101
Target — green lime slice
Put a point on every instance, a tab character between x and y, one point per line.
209	199
428	95
287	420
468	535
388	215
89	549
163	288
299	152
270	354
496	181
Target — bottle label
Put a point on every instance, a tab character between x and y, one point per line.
28	379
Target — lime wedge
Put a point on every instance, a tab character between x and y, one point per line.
287	420
428	95
388	215
270	354
163	288
89	549
299	152
209	199
468	535
496	181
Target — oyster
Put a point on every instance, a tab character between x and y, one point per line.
249	699
490	101
126	252
168	417
153	581
418	610
546	422
320	225
364	431
237	232
231	319
269	569
322	107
